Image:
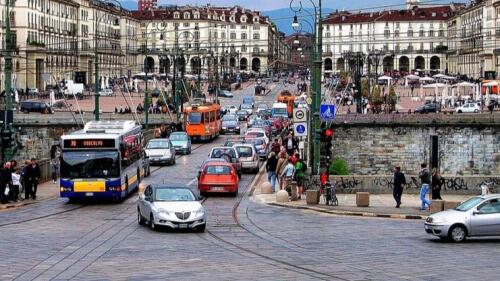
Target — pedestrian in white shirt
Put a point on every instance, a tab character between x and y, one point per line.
16	184
288	174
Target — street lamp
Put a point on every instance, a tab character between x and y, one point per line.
295	23
97	85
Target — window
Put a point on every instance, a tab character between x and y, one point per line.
196	15
243	35
176	15
410	33
232	36
421	33
256	36
186	24
490	207
232	26
187	16
256	27
431	33
243	27
387	33
243	48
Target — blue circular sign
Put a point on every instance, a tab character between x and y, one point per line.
301	129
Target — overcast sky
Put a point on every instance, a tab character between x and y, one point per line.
264	5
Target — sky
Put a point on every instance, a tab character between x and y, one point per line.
265	5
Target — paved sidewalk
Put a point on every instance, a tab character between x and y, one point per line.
381	205
46	191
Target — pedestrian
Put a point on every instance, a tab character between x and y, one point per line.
399	183
24	178
55	170
271	165
281	166
425	180
437	183
5	178
290	143
33	175
300	174
288	174
276	147
294	158
16	184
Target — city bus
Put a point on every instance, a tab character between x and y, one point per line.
287	98
279	110
202	120
104	160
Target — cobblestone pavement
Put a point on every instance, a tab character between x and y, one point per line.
244	240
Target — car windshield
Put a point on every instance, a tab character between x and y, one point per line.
246	106
218	170
178	137
255	141
255	134
218	152
174	194
194	118
467	205
263	106
247	100
229	118
244	151
241	112
158	144
90	164
280	111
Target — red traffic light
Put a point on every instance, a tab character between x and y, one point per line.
329	132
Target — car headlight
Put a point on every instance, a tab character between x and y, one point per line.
163	211
184	145
237	127
200	212
438	220
224	127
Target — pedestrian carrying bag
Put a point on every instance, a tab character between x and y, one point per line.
7	190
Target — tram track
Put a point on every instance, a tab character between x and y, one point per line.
290	266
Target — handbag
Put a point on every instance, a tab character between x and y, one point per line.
7	190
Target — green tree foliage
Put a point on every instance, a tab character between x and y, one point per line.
338	167
375	97
365	88
392	99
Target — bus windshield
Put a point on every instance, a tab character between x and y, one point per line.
194	118
90	164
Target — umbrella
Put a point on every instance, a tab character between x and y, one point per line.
491	83
426	78
464	84
412	77
435	85
439	75
385	78
449	77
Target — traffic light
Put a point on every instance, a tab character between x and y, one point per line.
325	138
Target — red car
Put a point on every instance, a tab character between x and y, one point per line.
218	177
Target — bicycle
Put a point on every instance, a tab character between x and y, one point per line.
330	195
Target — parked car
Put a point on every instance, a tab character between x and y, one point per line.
181	142
225	94
230	124
160	151
249	158
210	160
106	92
468	108
428	108
35	106
218	177
227	152
478	216
176	207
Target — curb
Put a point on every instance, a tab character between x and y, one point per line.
256	179
350	213
22	204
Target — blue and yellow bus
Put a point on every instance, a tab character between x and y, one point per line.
104	160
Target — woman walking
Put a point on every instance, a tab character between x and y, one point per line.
437	182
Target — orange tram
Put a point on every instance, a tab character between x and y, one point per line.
286	97
202	120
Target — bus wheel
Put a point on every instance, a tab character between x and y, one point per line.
126	182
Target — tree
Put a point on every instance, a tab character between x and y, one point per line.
375	98
338	167
365	88
392	99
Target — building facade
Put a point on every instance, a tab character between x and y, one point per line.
301	49
209	38
409	40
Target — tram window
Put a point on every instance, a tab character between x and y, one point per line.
206	117
218	114
194	118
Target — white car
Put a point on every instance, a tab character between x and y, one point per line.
106	92
175	207
257	133
468	108
160	151
247	107
248	156
232	109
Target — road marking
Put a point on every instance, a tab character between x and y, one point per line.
192	181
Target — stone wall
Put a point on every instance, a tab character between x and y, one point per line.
374	149
385	184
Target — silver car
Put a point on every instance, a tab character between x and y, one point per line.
181	142
175	207
478	216
248	156
160	151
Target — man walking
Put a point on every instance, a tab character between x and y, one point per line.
288	174
425	180
399	183
272	163
33	175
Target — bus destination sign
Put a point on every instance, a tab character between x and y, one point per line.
89	143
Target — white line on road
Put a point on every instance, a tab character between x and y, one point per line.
192	181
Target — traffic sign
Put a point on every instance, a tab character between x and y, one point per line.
299	115
300	129
309	100
327	112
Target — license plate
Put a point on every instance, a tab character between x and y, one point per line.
218	188
89	194
183	225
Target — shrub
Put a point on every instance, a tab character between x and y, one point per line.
338	167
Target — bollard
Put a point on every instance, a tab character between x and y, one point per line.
282	196
266	188
312	197
293	191
362	199
141	188
437	206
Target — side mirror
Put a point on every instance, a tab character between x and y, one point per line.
476	212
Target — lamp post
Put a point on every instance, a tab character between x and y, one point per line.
97	19
8	112
316	81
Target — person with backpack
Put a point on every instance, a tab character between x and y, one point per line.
300	174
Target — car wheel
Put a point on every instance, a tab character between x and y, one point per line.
173	161
149	171
140	219
189	151
460	111
201	228
458	233
234	194
476	111
152	224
